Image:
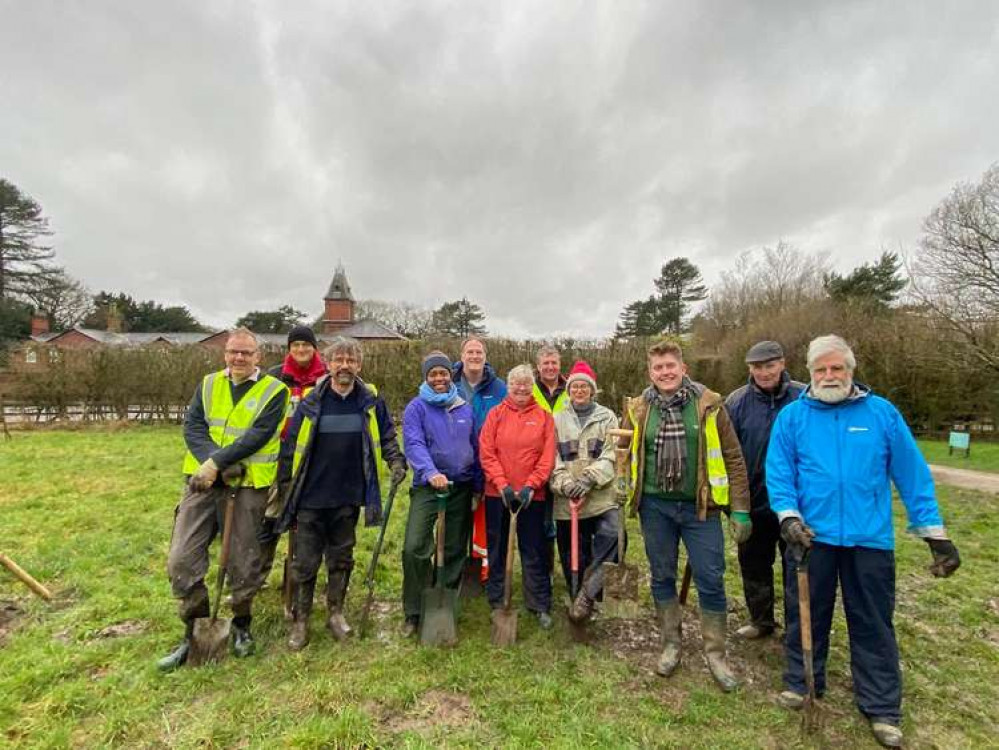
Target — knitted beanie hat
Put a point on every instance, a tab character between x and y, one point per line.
582	371
435	359
302	333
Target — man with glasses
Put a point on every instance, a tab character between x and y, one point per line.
231	432
339	442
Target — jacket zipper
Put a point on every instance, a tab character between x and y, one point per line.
839	478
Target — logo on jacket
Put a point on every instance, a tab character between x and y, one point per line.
857	429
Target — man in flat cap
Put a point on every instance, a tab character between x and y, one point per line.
753	409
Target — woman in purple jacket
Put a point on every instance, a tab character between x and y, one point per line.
439	443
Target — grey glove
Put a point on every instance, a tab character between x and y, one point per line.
203	479
797	535
525	496
398	472
578	488
508	497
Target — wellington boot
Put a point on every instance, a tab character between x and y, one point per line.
298	637
670	624
243	644
887	735
713	626
581	609
339	626
178	657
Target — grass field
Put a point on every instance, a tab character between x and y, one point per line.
983	457
89	513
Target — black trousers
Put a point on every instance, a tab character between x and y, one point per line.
532	541
330	532
867	579
756	562
597	545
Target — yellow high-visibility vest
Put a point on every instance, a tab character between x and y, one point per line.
717	474
227	422
309	424
555	408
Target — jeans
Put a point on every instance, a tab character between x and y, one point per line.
664	524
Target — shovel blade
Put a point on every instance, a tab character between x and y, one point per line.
437	621
504	627
471	580
620	590
210	641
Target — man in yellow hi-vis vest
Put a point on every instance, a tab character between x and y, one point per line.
339	442
686	469
232	434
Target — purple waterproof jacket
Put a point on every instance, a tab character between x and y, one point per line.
441	440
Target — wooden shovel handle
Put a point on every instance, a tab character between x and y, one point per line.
22	574
230	512
508	572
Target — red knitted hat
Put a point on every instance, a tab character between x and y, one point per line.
582	371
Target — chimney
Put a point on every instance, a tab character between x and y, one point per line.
114	319
39	323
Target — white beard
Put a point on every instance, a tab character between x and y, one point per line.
832	394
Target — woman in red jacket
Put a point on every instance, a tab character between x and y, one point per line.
517	453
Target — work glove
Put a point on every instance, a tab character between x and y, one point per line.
797	535
233	474
203	479
578	488
398	472
508	497
266	534
741	526
945	557
525	495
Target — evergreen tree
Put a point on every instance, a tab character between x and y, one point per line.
877	283
24	256
460	318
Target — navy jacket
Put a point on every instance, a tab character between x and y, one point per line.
753	412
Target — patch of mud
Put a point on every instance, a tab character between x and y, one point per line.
122	629
992	605
435	710
10	613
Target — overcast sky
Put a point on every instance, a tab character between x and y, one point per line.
542	158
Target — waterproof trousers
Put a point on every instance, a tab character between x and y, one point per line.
597	545
419	547
532	542
329	532
867	579
756	563
197	521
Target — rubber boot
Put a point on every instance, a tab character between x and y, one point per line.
243	644
670	619
301	607
336	593
178	657
581	609
713	625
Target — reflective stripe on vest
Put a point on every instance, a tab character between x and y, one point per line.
308	425
227	422
717	473
543	402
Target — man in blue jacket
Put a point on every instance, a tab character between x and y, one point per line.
753	409
832	458
478	384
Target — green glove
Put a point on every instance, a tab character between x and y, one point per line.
741	526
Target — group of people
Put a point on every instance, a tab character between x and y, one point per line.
803	469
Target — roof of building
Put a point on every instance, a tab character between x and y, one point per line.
339	287
370	329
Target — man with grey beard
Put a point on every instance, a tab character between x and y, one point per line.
833	456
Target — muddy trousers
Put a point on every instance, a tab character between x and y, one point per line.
756	563
597	545
329	532
420	548
197	521
532	542
867	579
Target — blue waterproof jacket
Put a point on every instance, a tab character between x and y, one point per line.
752	412
441	440
490	391
832	465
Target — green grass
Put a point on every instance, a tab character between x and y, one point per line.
89	513
983	457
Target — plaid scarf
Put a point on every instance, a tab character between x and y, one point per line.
671	439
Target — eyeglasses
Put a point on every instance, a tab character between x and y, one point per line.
240	352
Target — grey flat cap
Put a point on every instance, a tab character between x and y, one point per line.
764	351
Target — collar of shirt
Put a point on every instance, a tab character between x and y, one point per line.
254	377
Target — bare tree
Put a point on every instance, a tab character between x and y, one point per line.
956	270
410	320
